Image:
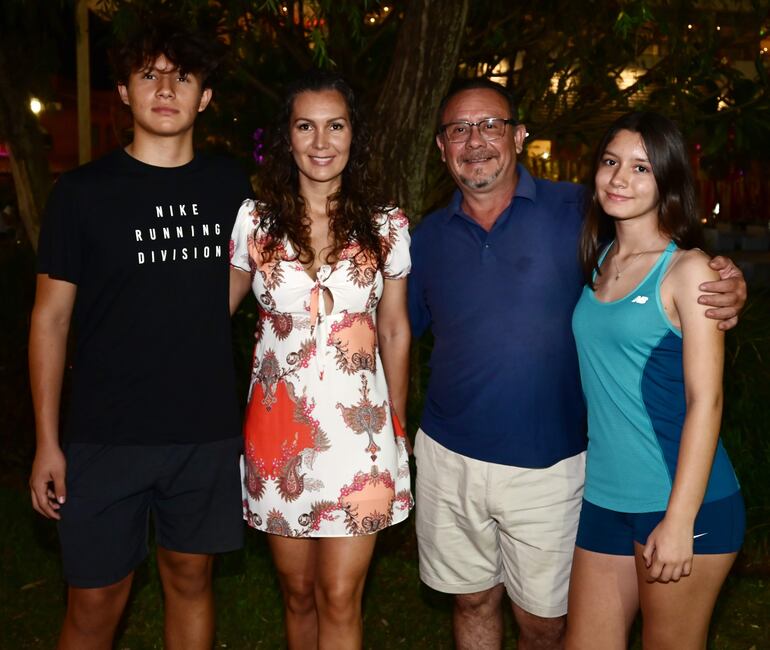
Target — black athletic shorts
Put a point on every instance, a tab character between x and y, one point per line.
192	490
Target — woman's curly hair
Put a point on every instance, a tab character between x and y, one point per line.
352	210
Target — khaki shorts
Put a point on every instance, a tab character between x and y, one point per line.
480	524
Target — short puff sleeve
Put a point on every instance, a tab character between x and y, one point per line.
395	231
245	224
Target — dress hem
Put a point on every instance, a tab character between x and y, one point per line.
404	516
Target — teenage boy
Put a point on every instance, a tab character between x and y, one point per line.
134	247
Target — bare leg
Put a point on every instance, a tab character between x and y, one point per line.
676	615
603	601
341	573
295	560
93	616
189	600
478	619
538	633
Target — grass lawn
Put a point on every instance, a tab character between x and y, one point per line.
399	611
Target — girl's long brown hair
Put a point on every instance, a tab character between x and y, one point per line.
677	204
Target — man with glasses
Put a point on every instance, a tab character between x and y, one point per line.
500	453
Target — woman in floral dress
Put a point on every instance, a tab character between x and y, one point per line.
325	460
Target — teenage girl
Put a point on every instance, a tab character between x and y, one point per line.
662	517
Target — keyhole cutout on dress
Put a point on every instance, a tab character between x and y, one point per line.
323	274
328	301
321	269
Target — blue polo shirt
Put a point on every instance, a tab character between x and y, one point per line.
504	384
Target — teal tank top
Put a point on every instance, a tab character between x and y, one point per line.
631	369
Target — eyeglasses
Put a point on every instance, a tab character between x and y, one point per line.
492	128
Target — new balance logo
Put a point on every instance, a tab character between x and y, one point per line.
640	300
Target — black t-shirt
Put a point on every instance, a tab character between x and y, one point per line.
148	248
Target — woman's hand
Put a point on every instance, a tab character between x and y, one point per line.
408	444
668	551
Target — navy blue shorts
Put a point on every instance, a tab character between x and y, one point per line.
719	528
192	490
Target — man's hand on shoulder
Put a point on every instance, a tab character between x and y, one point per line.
725	296
46	482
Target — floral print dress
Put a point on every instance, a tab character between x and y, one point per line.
324	454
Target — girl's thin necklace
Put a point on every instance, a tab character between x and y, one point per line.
620	271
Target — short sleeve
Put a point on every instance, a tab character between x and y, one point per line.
60	247
395	228
239	240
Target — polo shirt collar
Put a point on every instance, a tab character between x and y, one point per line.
525	188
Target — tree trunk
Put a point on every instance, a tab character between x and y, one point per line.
21	133
423	66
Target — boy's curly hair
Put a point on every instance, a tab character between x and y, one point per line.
190	51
